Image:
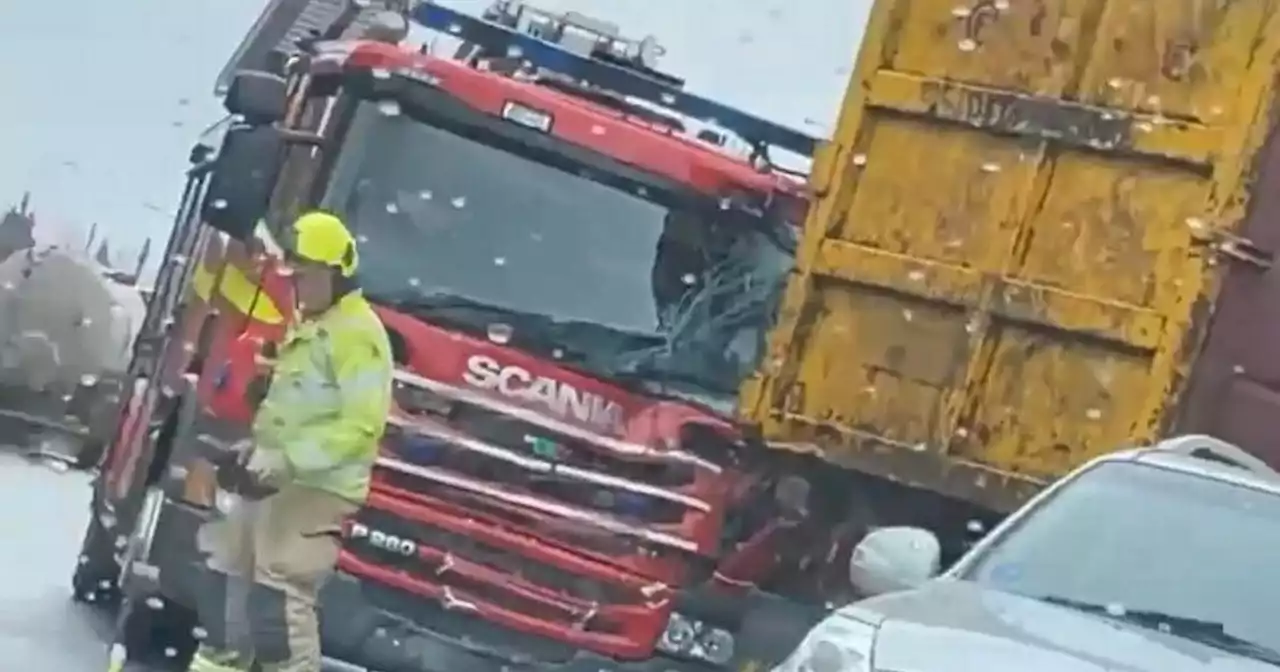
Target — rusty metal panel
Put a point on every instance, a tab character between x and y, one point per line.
1019	223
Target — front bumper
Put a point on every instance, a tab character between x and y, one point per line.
356	629
379	628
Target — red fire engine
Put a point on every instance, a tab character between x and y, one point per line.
577	271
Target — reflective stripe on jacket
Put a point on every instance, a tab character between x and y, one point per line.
329	398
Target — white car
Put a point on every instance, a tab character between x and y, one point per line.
1161	559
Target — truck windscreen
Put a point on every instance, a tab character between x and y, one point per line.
613	277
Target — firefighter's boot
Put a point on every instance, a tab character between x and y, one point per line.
209	659
222	601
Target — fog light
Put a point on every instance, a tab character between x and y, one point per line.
715	646
679	634
687	638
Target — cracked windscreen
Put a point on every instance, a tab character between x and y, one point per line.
1185	555
655	289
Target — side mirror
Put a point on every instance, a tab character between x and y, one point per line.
244	176
200	153
894	558
260	97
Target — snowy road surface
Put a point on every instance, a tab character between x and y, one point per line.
40	627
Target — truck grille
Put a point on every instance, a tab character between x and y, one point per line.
660	562
509	432
480	570
533	525
601	496
676	500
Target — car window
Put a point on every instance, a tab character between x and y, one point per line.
1148	538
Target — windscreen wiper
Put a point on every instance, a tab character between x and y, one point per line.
666	384
656	375
1209	633
1228	642
630	340
528	331
445	302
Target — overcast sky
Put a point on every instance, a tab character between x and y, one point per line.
102	101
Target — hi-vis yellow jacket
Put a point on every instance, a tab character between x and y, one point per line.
330	394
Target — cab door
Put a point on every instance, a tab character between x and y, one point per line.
1013	245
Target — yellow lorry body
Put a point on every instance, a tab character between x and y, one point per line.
1021	226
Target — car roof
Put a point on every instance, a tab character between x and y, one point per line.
1203	456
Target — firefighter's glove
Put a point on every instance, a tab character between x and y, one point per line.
267	467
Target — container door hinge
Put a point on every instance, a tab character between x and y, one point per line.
1238	249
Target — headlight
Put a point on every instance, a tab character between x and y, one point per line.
688	638
837	644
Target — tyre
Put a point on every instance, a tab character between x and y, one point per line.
155	630
158	633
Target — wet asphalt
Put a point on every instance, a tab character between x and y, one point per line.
40	627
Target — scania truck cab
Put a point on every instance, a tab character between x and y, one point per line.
577	271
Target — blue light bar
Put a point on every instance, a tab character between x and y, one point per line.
501	39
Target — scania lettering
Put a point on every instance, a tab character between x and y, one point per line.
561	398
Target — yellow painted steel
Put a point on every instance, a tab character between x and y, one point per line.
1004	273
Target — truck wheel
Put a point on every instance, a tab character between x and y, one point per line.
96	577
154	629
158	633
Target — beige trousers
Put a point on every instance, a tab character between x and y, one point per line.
267	561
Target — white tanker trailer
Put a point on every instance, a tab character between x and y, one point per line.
66	335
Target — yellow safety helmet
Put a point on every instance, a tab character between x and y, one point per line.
322	238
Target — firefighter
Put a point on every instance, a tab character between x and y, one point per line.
314	441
